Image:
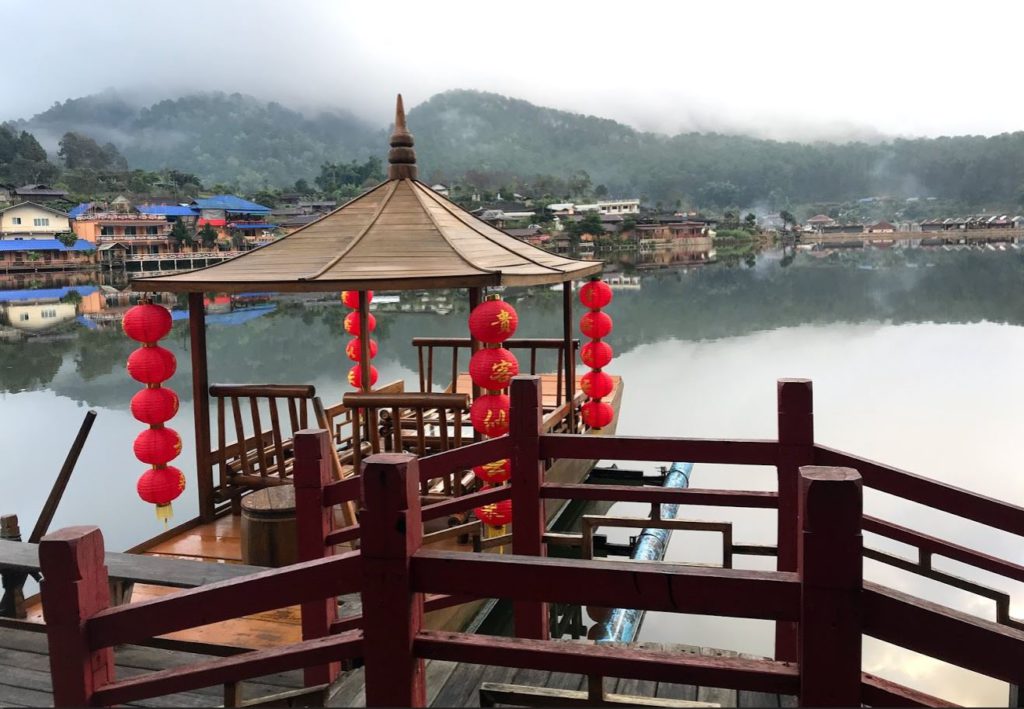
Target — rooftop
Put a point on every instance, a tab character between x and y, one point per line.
7	245
230	203
399	235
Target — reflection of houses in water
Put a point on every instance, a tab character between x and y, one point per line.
679	254
39	310
618	281
440	302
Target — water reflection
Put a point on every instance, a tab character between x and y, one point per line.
915	359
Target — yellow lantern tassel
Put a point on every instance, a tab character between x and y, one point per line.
164	512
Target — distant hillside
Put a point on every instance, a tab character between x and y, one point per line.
459	131
501	141
227	138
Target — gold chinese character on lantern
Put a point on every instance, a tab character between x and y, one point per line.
501	371
504	321
495	418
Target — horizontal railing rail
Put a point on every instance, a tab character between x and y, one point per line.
818	599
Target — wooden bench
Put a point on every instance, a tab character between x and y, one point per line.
125	570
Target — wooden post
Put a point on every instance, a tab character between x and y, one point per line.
74	588
476	295
570	356
12	604
61	483
313	522
796	448
831	578
528	519
391	532
201	404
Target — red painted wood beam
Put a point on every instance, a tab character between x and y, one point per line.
878	692
945	634
267	590
611	584
564	445
236	668
658	495
463	458
342	491
940	547
633	663
340	536
466	502
948	498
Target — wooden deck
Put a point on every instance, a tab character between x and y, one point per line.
451	684
25	674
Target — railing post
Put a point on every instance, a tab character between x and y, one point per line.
313	522
796	448
528	518
12	603
831	579
391	529
74	588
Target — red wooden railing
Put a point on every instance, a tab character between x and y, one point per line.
817	596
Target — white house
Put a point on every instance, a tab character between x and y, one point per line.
29	220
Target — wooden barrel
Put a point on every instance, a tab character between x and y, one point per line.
268	527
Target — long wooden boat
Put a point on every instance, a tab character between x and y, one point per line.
397	236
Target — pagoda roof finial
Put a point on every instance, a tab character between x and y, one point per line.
402	156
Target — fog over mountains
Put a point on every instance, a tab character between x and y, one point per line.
495	141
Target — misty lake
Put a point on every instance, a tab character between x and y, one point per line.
916	361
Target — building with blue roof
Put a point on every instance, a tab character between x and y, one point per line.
226	206
171	211
45	255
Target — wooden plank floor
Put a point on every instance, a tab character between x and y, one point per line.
25	673
451	684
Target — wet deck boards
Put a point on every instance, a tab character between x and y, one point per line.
451	684
25	673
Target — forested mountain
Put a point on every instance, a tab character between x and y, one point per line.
227	138
494	142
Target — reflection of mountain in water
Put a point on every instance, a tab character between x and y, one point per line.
298	343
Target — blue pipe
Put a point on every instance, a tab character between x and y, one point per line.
623	624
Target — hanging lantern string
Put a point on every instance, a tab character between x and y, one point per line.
596	325
151	365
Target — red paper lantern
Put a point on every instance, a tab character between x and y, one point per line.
154	406
495	472
489	414
151	365
597	414
355	376
159	486
596	384
351	298
353	324
147	322
595	324
493	368
493	321
354	350
157	446
596	294
596	354
496	514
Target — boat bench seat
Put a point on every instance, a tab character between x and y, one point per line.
20	559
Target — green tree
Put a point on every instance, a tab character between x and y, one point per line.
68	239
750	222
207	236
181	235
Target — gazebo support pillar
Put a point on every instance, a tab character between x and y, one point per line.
570	357
201	402
476	295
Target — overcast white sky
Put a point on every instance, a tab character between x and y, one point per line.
795	69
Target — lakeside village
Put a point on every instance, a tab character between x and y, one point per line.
41	231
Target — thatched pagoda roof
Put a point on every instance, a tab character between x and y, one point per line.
400	235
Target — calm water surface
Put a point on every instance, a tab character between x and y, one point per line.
916	362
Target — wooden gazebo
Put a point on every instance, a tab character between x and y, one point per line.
399	235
